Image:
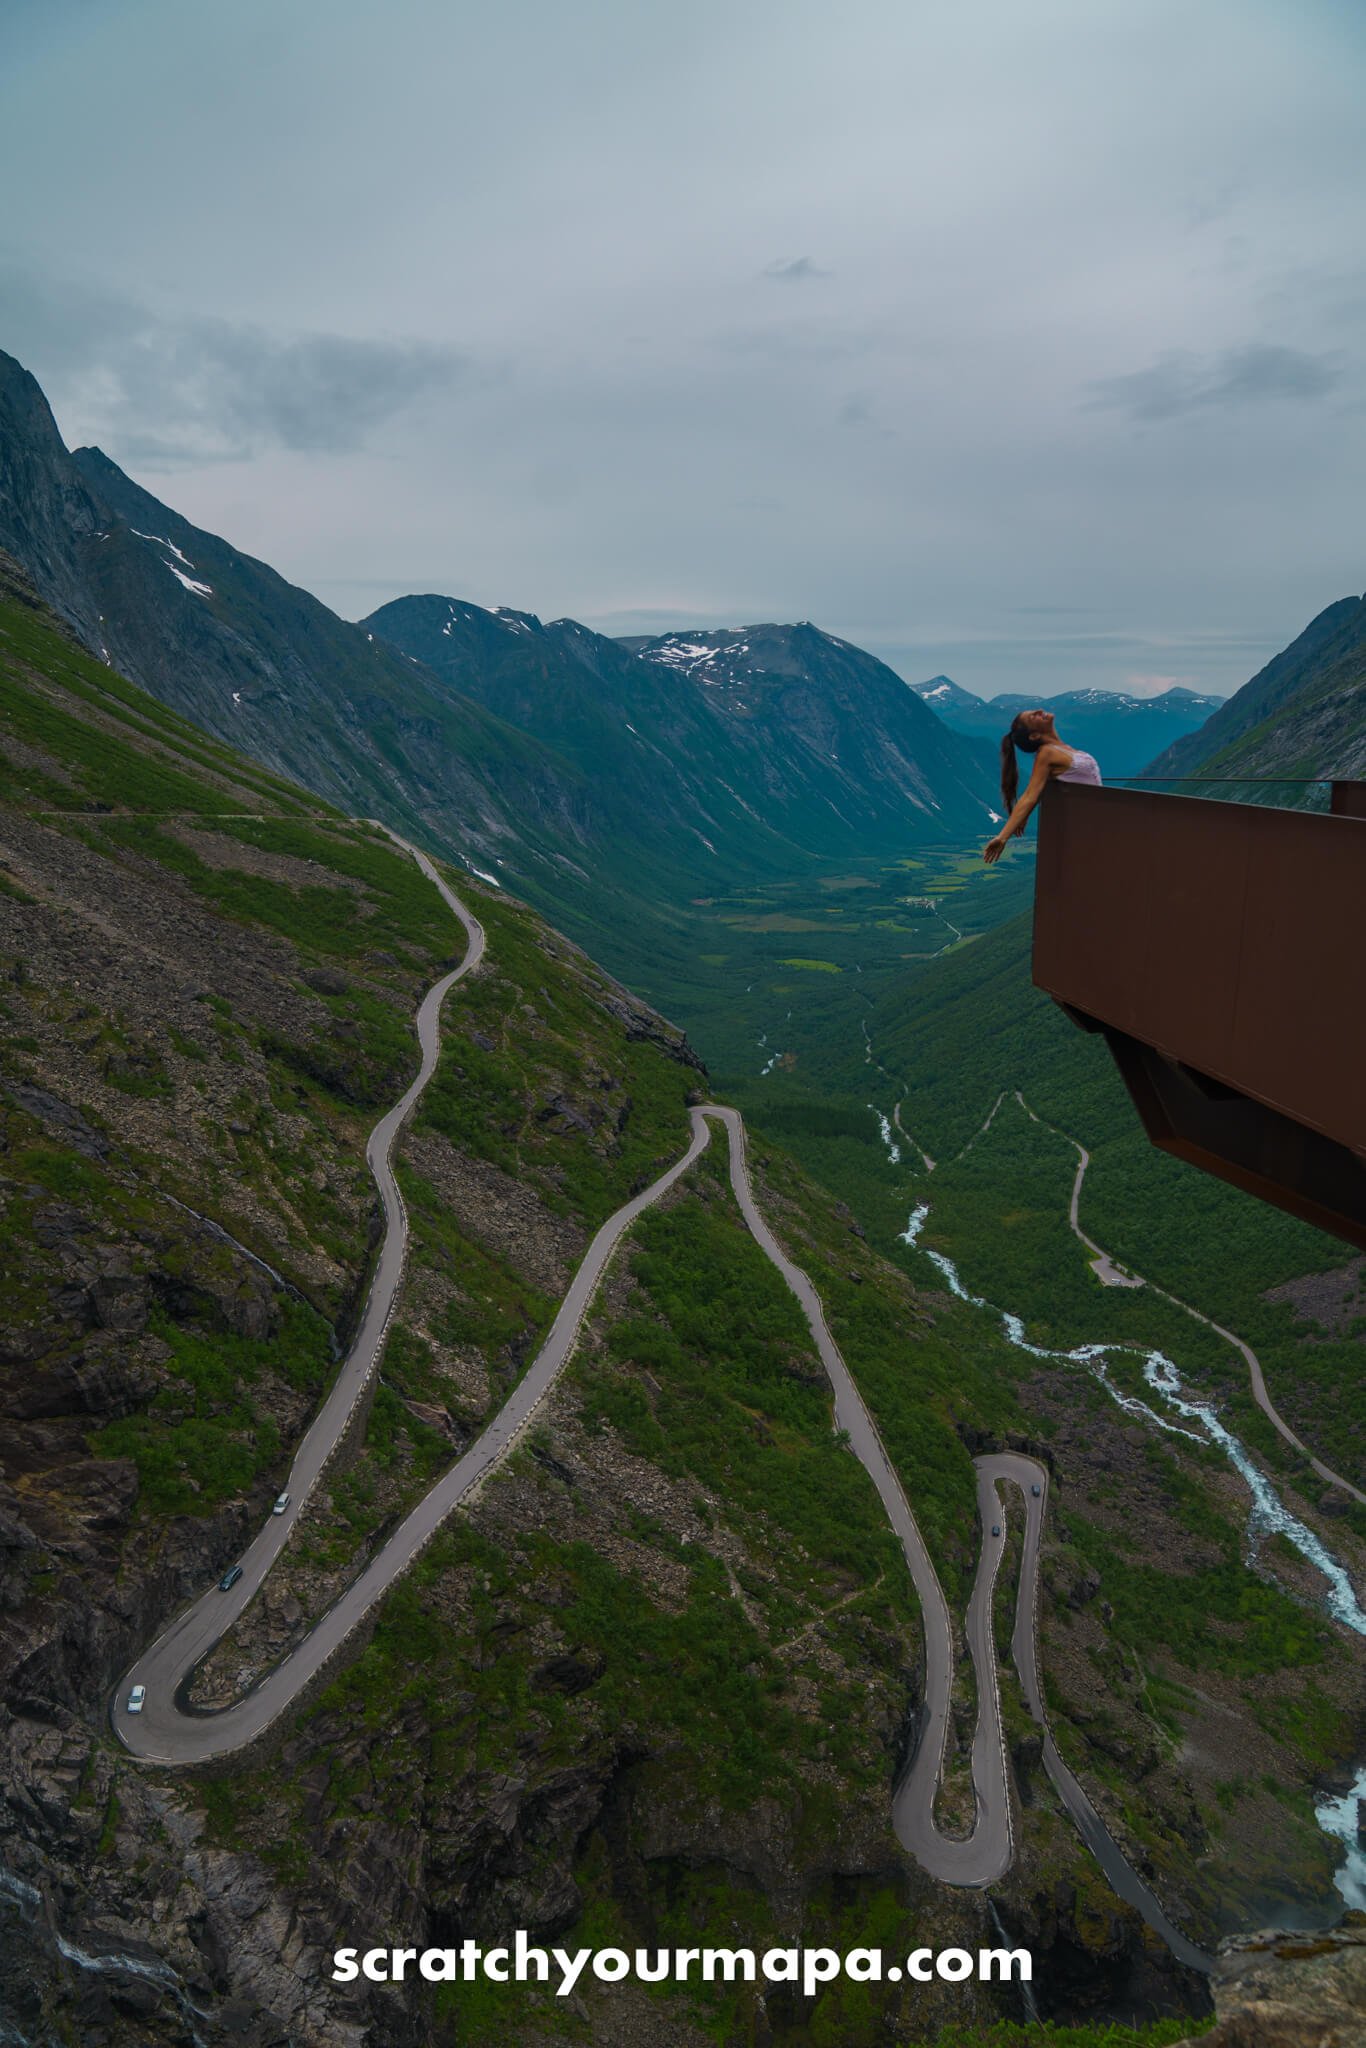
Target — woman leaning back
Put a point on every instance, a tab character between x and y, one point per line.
1034	732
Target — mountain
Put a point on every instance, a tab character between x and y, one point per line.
1303	715
1121	731
660	1674
800	699
653	1683
228	643
767	745
943	695
588	780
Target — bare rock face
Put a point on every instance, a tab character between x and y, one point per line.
1286	1990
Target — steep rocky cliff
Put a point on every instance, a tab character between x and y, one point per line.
1281	1989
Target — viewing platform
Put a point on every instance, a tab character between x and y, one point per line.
1220	949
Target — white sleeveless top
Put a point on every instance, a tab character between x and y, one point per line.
1085	768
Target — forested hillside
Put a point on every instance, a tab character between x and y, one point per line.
986	1094
974	1027
767	745
661	1674
1303	715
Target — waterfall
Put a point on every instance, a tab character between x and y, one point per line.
16	1891
1031	2010
885	1132
115	1964
1346	1819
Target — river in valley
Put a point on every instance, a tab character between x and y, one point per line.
1267	1514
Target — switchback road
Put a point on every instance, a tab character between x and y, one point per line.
168	1732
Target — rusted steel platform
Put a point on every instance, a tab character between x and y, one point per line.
1221	950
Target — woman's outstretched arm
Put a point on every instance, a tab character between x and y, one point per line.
1046	762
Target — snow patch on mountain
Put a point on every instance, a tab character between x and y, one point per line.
199	589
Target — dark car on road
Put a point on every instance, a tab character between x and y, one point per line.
230	1578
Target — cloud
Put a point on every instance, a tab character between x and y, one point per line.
1181	382
222	392
795	272
1013	202
173	392
321	392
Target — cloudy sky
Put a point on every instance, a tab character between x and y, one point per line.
1023	343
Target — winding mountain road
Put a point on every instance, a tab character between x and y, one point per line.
164	1732
1112	1275
167	1731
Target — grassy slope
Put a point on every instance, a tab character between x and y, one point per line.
1303	715
208	980
252	1098
243	1068
974	1025
1161	1526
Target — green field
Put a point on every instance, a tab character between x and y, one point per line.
743	991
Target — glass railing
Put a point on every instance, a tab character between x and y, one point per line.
1288	793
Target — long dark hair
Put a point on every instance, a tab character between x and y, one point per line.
1028	743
